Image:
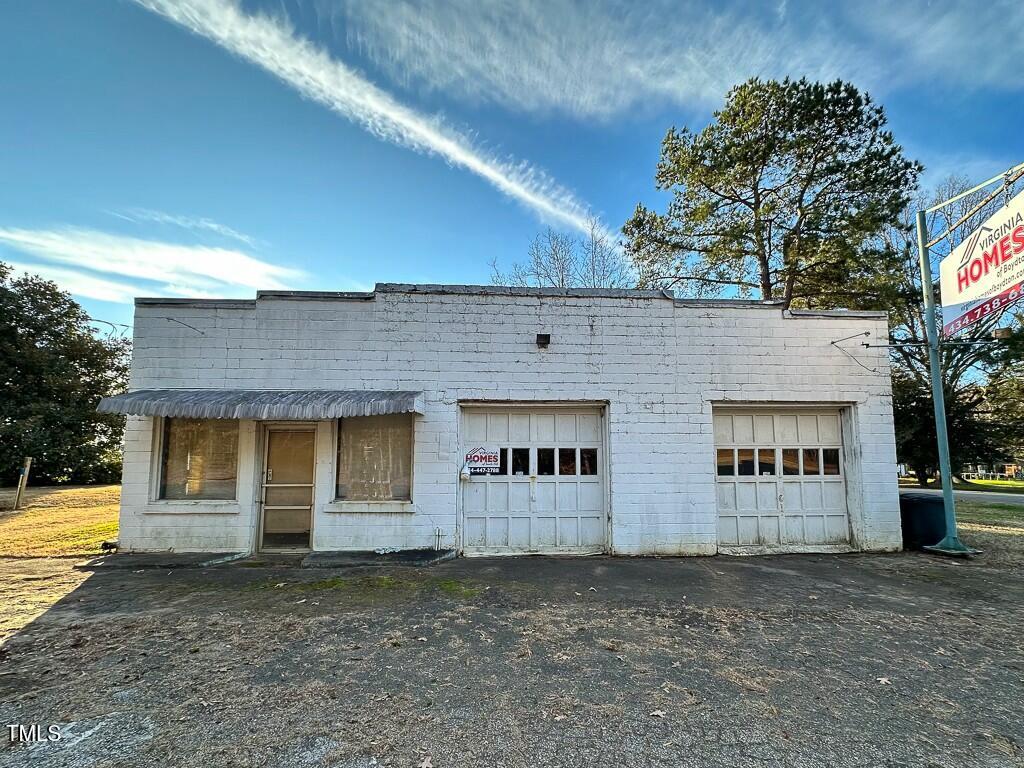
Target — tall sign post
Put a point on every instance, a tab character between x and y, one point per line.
980	278
951	543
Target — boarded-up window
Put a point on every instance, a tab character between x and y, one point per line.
375	458
200	459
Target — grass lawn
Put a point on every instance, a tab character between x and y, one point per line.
996	529
65	521
992	486
983	513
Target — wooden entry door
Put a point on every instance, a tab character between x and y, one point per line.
288	488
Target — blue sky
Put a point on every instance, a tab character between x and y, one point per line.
210	148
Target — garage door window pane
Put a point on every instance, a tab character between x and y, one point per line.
200	459
545	461
503	455
375	458
766	461
520	461
567	461
745	461
811	464
726	467
790	461
588	461
830	460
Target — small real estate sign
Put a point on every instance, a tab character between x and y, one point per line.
485	460
985	273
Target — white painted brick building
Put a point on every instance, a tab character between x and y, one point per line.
648	425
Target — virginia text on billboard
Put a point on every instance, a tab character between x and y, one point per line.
985	273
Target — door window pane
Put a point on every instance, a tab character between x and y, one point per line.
765	461
375	458
545	461
790	461
520	461
811	464
725	462
745	461
588	461
567	461
288	496
290	456
503	461
200	459
830	460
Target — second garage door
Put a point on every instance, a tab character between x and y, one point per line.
548	495
780	478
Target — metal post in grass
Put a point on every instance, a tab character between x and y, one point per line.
22	481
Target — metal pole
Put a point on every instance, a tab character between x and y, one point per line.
998	177
22	482
951	544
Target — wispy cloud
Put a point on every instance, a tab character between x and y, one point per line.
80	283
584	59
191	223
604	59
964	45
313	72
86	257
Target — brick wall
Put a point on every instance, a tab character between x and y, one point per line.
660	365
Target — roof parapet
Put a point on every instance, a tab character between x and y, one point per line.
513	290
317	295
159	301
865	313
508	290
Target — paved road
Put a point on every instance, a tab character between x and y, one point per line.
991	497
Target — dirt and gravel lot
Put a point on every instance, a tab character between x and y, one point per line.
899	660
852	660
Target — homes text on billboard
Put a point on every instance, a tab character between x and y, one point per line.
985	273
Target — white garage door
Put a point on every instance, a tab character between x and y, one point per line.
780	478
548	494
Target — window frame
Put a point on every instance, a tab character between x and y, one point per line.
337	503
160	427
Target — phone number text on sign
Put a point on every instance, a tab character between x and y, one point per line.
986	308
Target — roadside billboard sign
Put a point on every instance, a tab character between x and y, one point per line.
985	273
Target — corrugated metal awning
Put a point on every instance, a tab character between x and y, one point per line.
261	403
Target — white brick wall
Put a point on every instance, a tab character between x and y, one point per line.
659	364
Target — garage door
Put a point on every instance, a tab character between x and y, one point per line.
547	496
780	478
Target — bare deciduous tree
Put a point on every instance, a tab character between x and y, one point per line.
559	260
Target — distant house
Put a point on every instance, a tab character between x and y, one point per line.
997	471
499	420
